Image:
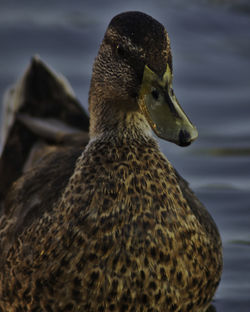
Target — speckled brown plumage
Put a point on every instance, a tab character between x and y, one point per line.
123	231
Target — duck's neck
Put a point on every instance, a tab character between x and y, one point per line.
109	122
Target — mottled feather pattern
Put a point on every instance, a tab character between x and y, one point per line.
116	250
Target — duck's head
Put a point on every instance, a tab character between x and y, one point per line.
132	74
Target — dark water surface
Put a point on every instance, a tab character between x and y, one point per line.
211	49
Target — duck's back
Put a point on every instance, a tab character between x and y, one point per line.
122	237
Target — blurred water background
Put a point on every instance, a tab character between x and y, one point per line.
211	49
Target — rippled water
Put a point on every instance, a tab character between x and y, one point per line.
211	48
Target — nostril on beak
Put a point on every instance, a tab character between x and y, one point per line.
184	138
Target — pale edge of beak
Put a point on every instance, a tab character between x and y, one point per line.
162	110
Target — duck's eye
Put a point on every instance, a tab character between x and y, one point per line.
120	50
155	94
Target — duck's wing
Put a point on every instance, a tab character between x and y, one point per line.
44	129
198	209
35	193
41	107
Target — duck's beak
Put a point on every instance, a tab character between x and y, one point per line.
162	110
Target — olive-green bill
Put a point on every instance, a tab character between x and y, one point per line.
162	110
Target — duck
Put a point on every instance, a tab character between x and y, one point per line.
93	215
